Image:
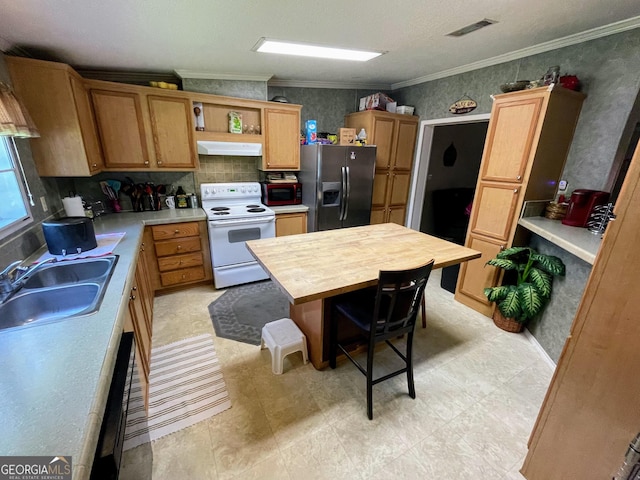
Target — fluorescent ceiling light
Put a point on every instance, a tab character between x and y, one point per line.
305	50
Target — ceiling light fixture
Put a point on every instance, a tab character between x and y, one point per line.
472	28
266	45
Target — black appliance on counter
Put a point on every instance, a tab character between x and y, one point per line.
275	194
70	235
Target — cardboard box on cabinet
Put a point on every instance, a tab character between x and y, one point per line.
378	101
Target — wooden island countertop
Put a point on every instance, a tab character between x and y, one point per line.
311	268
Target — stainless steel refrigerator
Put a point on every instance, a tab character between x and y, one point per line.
337	185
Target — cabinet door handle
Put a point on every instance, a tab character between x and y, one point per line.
179	247
134	289
515	190
502	247
95	165
518	177
159	162
146	162
176	231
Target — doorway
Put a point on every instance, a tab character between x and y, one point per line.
439	141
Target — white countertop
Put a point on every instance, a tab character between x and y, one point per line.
578	241
290	209
54	378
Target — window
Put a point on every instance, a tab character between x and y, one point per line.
14	212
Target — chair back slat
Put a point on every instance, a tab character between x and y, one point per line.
398	299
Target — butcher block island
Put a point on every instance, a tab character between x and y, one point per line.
313	267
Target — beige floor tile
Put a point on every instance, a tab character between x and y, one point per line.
445	455
370	444
318	455
478	393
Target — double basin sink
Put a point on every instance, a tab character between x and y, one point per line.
57	291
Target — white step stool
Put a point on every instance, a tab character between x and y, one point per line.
283	337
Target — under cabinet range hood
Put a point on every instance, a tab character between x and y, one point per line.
230	148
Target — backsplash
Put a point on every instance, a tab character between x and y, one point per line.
215	169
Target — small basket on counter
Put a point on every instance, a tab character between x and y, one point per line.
555	211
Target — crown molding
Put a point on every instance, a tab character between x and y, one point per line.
222	76
333	85
611	29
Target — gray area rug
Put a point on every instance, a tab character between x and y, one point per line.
241	312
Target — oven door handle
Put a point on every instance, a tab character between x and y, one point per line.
235	223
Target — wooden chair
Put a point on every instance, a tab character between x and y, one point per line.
382	314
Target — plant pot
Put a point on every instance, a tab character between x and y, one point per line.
506	324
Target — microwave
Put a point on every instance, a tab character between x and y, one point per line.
274	194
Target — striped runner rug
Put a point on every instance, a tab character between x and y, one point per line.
185	387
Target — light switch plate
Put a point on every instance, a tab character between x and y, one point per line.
43	201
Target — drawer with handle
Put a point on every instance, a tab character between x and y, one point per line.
166	264
175	230
173	247
182	276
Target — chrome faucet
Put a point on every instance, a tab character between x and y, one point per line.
11	278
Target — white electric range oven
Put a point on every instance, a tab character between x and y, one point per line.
235	215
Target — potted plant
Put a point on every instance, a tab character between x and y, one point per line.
518	303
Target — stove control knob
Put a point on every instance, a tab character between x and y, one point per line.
206	191
243	189
214	191
255	189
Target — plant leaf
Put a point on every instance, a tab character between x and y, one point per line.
542	281
549	263
510	306
530	300
503	263
496	294
509	252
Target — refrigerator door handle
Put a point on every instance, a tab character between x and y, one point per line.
348	182
343	188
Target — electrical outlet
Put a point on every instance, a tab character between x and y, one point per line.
43	201
562	186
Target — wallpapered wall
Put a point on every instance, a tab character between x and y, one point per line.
609	69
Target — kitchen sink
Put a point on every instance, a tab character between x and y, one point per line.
73	271
57	291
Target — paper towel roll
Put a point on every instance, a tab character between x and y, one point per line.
73	206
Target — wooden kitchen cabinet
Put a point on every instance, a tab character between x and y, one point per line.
172	130
141	130
139	320
58	101
282	139
394	136
590	413
527	143
291	223
180	255
121	128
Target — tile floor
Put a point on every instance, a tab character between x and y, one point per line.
478	393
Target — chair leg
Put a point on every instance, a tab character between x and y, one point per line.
424	313
333	340
409	355
370	382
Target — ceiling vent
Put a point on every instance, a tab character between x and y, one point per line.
471	28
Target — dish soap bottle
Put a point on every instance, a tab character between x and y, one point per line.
362	137
181	198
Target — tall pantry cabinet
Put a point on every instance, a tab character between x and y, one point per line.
527	143
591	410
394	136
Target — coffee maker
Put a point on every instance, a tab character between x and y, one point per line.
581	205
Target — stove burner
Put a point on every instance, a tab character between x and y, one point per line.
220	209
220	213
255	210
253	206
